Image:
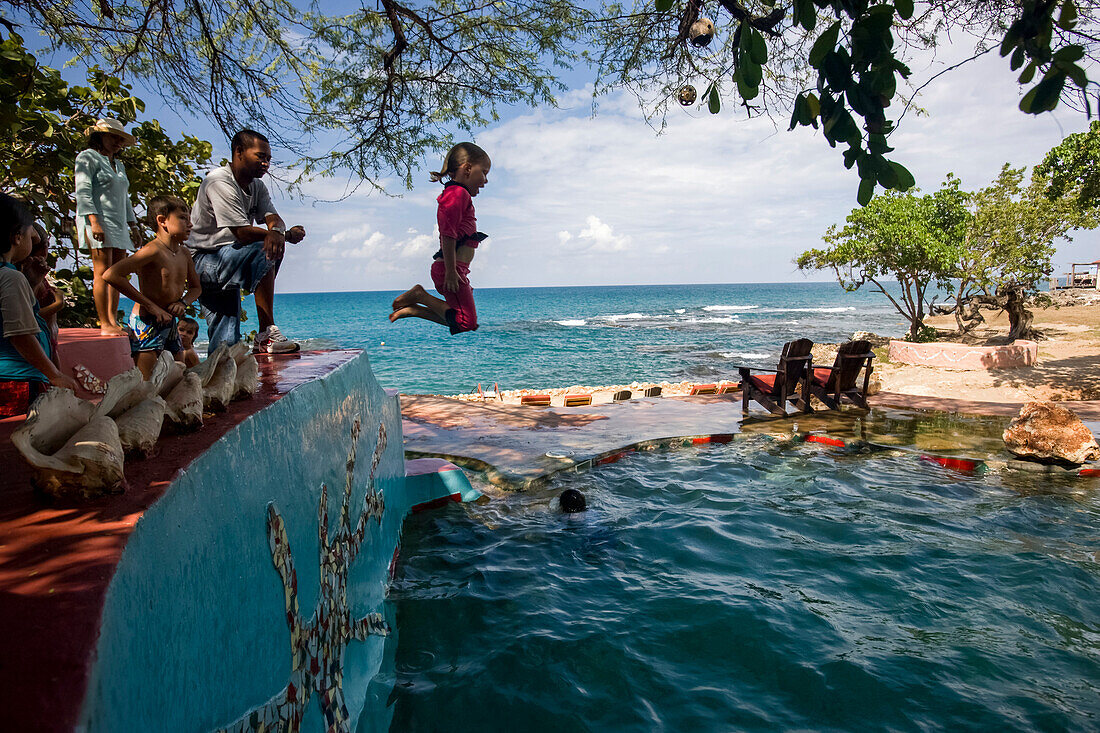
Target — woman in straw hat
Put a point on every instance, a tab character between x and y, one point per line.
104	215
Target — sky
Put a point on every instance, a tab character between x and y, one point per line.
576	198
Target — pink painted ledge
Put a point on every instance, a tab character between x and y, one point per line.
968	358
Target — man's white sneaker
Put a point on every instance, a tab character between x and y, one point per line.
272	341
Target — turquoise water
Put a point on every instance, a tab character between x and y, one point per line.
739	587
587	335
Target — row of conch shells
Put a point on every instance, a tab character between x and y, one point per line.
77	448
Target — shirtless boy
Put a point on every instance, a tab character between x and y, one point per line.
167	283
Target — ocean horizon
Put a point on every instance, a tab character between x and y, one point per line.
591	335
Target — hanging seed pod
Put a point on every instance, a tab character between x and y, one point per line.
687	95
701	32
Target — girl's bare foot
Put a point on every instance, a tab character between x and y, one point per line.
111	330
406	312
407	298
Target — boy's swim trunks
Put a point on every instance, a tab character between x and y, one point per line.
462	315
153	337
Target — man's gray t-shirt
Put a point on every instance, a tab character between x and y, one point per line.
221	205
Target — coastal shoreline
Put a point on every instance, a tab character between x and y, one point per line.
1066	371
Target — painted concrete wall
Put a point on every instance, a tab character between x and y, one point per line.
195	632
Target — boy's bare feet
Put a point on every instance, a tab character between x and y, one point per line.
110	330
407	298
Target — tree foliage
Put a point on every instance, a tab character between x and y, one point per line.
898	236
368	91
44	119
1005	255
990	248
1072	169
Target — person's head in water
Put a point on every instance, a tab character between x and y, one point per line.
572	501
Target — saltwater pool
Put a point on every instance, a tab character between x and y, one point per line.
745	587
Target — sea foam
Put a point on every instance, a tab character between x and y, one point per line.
730	307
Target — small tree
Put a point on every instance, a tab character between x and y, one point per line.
44	119
904	237
1007	249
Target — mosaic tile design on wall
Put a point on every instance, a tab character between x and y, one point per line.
317	648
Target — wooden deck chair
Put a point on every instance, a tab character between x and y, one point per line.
577	400
729	387
774	390
703	389
622	395
535	400
652	392
833	386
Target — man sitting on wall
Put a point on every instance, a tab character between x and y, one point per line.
231	252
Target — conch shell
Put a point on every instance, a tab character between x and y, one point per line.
134	405
218	374
248	371
72	451
182	395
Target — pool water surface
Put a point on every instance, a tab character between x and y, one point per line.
744	586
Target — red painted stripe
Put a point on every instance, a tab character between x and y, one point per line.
835	442
393	562
700	441
613	458
1089	472
957	464
436	503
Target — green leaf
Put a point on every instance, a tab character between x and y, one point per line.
1068	17
904	8
664	5
797	112
825	43
714	102
813	105
1069	54
905	179
866	191
1044	96
1018	58
1080	78
1029	73
759	49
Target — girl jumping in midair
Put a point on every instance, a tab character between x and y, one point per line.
467	167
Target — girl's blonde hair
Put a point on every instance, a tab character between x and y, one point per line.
458	156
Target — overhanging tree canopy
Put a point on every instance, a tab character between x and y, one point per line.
386	82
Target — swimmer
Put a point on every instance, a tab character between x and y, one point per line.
572	501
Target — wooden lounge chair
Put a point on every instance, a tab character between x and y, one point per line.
622	395
577	400
833	386
775	389
652	392
729	387
703	389
535	400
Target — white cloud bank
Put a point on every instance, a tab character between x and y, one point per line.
580	200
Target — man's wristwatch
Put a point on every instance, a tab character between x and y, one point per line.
279	229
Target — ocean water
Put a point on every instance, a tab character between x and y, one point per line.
546	337
743	587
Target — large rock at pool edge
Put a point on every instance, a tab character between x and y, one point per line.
1043	431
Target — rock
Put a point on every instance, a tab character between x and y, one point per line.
1043	431
875	385
873	338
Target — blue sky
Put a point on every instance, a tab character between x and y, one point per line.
582	199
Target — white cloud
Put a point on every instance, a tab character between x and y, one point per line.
733	199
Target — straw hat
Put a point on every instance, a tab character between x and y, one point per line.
112	126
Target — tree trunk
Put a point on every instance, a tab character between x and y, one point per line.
1019	317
